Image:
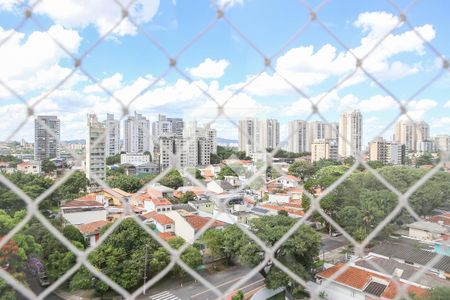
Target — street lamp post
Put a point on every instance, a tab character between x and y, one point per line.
145	269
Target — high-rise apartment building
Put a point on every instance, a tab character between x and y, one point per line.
350	133
411	134
112	135
324	149
302	134
298	134
46	144
388	152
95	148
269	134
258	135
442	142
137	134
167	126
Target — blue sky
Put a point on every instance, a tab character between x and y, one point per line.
221	61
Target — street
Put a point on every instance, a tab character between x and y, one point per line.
332	246
34	285
194	290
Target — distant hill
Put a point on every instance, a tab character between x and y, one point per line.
226	141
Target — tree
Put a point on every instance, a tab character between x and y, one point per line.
129	184
7	292
375	164
188	196
73	234
437	293
239	296
283	213
214	159
322	163
172	179
301	169
112	160
298	253
48	166
425	159
76	185
198	174
324	178
213	240
226	171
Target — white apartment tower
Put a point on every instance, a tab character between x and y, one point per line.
258	135
137	134
167	126
112	135
443	142
298	136
95	148
350	133
46	144
269	134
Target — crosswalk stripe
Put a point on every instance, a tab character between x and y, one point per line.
166	295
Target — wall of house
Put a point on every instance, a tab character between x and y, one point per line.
278	198
339	292
182	228
83	217
422	234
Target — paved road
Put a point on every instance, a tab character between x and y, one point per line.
330	243
37	289
194	290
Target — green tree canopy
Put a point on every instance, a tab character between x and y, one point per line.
172	179
301	169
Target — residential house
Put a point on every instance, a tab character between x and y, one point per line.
187	226
359	283
78	212
29	167
159	205
219	186
427	231
158	190
161	222
91	231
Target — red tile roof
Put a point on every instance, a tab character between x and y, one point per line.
160	201
166	235
289	210
160	218
198	222
445	218
358	278
92	228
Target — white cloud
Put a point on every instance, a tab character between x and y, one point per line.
31	63
229	3
447	104
417	109
110	83
210	68
306	66
103	14
378	103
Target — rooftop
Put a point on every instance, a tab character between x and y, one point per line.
92	228
428	226
81	203
368	282
198	222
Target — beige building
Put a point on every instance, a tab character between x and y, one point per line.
388	152
324	149
443	142
411	134
257	135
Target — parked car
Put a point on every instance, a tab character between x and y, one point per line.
336	233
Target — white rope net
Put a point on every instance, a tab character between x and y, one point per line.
267	59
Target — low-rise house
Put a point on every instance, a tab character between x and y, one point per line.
219	186
413	253
158	205
359	283
158	190
293	212
148	168
162	222
135	159
427	231
78	212
206	206
187	226
91	231
29	167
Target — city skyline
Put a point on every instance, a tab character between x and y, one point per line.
313	62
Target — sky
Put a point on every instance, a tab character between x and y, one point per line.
220	61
